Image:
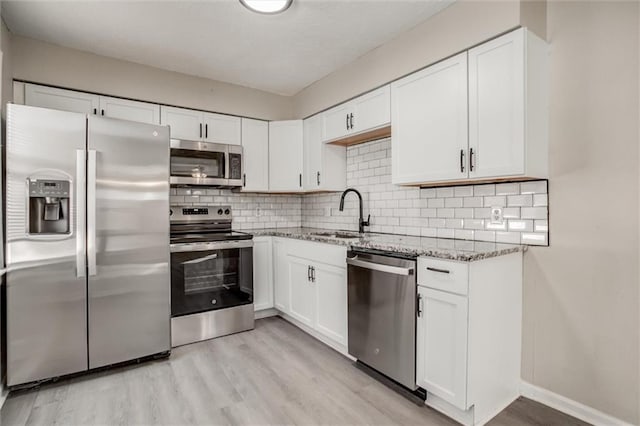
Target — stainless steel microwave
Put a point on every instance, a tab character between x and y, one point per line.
205	163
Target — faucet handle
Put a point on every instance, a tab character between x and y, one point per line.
366	223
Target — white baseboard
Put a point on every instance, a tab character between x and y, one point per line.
265	313
569	406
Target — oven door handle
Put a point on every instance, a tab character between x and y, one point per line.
396	270
200	259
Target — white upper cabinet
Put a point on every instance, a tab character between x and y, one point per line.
372	110
123	109
65	100
429	115
508	107
196	125
220	128
184	123
255	151
285	156
503	135
325	165
364	113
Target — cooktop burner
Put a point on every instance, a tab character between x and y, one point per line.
203	224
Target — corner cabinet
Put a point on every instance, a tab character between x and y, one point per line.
468	335
311	288
364	113
255	153
325	165
503	84
285	156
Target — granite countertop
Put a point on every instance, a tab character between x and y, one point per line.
442	248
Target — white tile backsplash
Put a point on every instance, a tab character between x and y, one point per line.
460	212
447	212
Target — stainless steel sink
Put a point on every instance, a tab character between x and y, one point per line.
342	235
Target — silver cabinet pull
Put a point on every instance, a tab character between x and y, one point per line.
91	211
419	305
351	126
80	194
313	274
442	271
347	121
396	270
200	259
462	161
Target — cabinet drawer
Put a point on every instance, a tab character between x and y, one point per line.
443	275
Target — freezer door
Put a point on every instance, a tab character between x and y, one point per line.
127	240
46	280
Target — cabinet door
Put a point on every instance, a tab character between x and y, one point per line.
255	152
184	123
313	153
331	302
64	100
496	106
281	285
429	115
262	273
337	122
441	352
124	109
219	128
301	290
372	109
285	155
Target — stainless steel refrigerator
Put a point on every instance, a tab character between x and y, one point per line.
88	277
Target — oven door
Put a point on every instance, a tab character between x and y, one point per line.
198	163
211	276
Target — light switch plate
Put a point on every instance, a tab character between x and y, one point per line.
496	216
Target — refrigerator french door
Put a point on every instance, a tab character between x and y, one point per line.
88	278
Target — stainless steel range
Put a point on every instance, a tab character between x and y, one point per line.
211	275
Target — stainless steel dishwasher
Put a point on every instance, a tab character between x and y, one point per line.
382	313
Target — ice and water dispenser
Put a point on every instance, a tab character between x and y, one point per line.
49	206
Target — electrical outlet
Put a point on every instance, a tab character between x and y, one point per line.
258	212
496	216
327	211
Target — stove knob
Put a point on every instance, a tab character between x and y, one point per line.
227	211
219	211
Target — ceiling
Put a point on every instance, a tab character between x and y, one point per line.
220	39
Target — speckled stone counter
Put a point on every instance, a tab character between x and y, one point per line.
442	248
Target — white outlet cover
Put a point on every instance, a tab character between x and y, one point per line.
327	211
496	215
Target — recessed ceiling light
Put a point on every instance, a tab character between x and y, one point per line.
267	6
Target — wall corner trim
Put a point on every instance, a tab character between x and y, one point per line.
569	406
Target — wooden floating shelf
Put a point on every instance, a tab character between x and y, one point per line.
371	135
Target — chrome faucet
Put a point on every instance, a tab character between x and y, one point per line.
361	222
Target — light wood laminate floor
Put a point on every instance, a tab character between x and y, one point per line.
275	374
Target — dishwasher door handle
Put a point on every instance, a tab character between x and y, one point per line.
396	270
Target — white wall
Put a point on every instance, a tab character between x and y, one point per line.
581	293
46	63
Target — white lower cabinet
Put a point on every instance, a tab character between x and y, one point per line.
281	282
441	342
301	289
331	302
468	335
311	287
262	273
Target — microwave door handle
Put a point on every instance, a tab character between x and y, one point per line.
200	259
226	163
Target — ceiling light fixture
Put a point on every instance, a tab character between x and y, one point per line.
268	7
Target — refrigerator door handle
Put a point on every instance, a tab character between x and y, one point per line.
91	212
80	194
